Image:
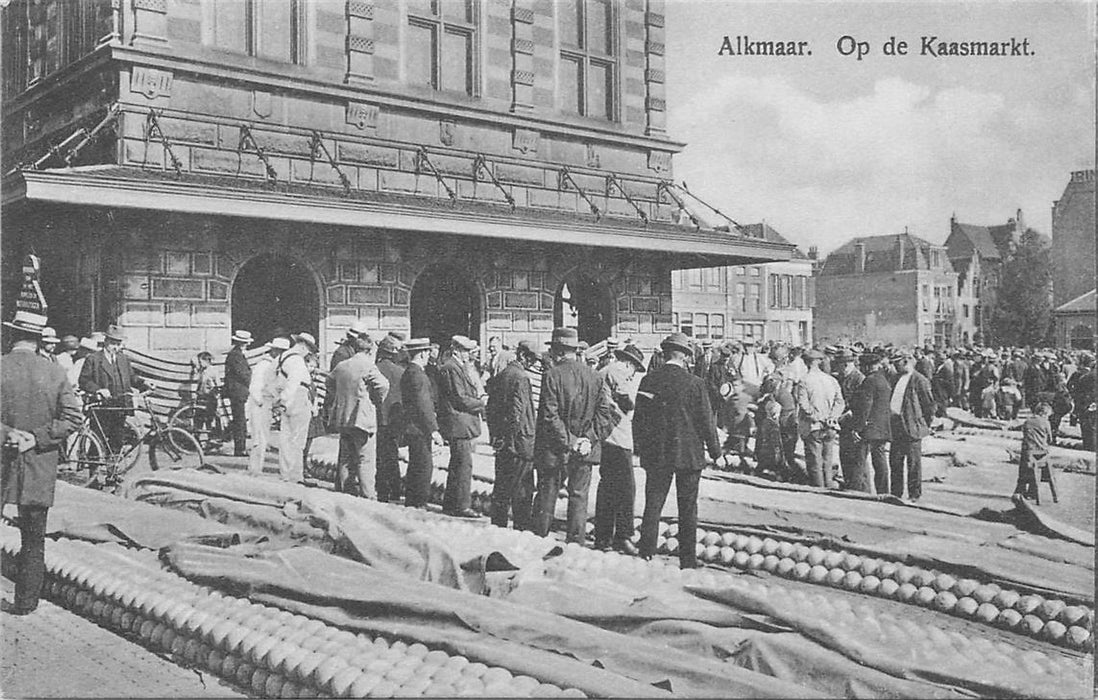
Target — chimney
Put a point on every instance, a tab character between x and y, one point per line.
859	257
1019	223
900	261
813	253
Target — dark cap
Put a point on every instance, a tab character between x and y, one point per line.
678	341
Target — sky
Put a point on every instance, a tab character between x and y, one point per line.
827	147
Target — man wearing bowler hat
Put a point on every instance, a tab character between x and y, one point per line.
574	416
357	388
38	410
459	409
108	376
672	426
238	378
871	427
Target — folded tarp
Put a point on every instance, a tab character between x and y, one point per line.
528	641
87	514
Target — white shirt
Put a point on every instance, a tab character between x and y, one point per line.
615	376
821	398
261	377
897	403
753	368
297	377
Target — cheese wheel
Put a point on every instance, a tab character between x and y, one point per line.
889	588
712	553
852	580
1032	624
1050	609
1005	599
1077	637
741	558
870	566
835	576
906	592
967	606
817	574
945	600
770	563
924	578
800	552
1072	614
925	595
833	560
1028	604
727	555
728	539
785	549
754	545
1054	631
870	585
815	556
785	566
755	561
945	582
1008	619
769	546
888	569
987	612
904	574
800	570
986	593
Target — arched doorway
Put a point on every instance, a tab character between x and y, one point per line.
274	292
445	303
1082	337
584	303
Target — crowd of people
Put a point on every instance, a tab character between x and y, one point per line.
857	413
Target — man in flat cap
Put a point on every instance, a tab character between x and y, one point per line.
820	405
870	425
512	421
390	420
357	388
574	417
672	428
912	409
459	412
420	423
850	379
616	493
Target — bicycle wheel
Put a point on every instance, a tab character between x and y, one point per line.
89	456
175	449
187	418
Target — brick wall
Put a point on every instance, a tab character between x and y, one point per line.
1073	239
874	307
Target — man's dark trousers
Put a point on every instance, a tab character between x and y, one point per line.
458	496
578	475
615	496
417	486
388	464
875	452
656	486
349	475
513	491
239	426
911	452
32	556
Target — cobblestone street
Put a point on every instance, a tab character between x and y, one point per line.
56	653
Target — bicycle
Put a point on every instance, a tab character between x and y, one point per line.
201	422
96	465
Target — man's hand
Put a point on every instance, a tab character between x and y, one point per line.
21	440
582	446
436	437
103	393
856	436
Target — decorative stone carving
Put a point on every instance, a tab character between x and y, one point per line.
362	115
526	141
447	132
360	8
360	44
262	103
659	161
151	82
591	155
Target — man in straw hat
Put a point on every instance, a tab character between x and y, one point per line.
238	379
420	422
575	415
108	376
672	426
39	410
459	409
262	393
293	403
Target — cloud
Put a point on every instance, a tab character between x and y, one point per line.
822	171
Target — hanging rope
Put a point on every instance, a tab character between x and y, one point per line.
739	229
480	163
152	126
248	142
612	179
108	121
422	159
565	179
316	148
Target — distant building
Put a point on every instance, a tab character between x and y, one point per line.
1074	323
977	253
896	289
764	302
1073	240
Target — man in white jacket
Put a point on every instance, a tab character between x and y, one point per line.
820	405
261	397
293	378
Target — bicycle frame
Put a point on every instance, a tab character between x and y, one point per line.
113	459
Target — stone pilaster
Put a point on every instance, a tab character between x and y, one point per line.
655	103
150	23
360	42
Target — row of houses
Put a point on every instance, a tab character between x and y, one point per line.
897	288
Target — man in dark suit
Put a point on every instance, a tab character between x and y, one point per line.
851	461
238	377
575	415
460	406
389	422
942	383
109	377
511	423
420	423
912	409
39	410
357	387
871	427
672	425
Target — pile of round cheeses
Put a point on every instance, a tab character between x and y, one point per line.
267	651
1052	620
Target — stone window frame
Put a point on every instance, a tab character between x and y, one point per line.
301	19
440	24
587	58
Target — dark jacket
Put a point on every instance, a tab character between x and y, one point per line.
238	375
35	396
117	376
459	402
673	423
345	351
390	412
871	417
849	385
417	404
916	411
511	415
574	404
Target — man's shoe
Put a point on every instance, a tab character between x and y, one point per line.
627	548
467	513
13	609
602	546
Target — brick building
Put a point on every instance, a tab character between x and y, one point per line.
1074	322
772	301
1073	239
978	253
436	168
896	289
